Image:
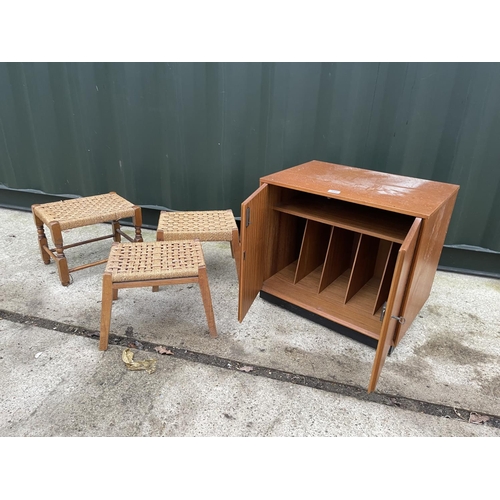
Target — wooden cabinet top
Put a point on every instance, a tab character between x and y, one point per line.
396	193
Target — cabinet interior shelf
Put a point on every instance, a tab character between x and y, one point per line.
367	220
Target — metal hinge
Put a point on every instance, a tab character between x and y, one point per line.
382	313
247	217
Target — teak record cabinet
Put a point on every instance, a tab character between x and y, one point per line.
356	247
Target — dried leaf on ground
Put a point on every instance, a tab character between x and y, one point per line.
245	368
163	350
476	418
128	358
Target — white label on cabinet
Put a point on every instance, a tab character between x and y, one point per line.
334	191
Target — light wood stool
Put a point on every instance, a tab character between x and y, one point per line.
211	225
156	263
78	212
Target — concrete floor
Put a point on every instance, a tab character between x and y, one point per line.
60	384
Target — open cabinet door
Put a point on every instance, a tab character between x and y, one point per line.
396	294
253	234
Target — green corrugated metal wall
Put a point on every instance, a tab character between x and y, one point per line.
189	136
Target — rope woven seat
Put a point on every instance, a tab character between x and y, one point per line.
214	225
154	260
156	263
79	212
85	211
211	225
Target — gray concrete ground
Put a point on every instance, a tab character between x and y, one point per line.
60	384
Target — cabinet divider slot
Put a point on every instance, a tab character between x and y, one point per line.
313	249
386	280
363	266
338	256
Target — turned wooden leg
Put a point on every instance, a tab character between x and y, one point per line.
116	235
107	302
207	300
137	218
235	250
62	263
42	238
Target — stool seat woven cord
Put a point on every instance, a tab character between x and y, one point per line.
77	212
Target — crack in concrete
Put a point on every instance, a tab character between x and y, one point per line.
400	402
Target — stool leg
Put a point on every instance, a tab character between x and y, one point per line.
207	300
137	218
62	263
116	235
107	302
159	237
235	250
42	239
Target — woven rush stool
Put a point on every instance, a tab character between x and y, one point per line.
211	225
156	263
78	212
